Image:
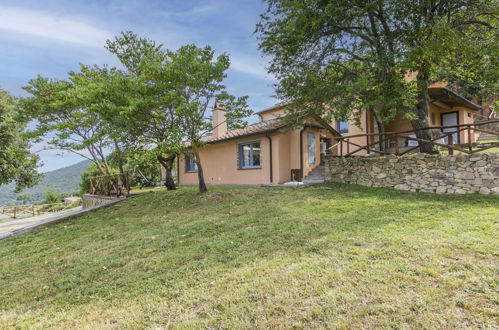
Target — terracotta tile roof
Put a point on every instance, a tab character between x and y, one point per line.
260	127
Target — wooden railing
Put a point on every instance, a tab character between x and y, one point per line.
110	185
26	211
389	142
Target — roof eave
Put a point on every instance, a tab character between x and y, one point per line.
463	99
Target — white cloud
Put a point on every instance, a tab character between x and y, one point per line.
252	66
51	26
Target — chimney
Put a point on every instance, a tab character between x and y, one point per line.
219	123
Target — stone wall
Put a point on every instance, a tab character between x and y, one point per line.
96	200
460	174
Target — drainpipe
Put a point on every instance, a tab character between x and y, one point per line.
301	151
178	169
270	153
367	130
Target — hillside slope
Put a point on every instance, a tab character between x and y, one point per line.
336	256
63	180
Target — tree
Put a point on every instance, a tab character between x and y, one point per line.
440	34
52	197
138	106
23	198
17	163
193	78
337	59
63	115
474	73
168	97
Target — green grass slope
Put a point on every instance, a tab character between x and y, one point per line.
63	180
334	256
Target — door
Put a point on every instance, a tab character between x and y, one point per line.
450	119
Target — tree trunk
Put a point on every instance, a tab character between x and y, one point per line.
167	163
201	183
381	130
120	157
421	111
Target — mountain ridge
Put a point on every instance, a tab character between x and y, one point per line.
63	180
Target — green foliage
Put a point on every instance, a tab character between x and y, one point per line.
326	256
143	167
52	197
91	172
336	59
65	116
64	180
16	162
24	199
167	94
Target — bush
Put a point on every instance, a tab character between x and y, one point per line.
89	173
52	197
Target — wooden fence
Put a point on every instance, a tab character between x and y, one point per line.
391	141
110	185
26	211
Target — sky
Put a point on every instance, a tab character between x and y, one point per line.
52	37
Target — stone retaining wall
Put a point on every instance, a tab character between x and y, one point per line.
460	174
89	200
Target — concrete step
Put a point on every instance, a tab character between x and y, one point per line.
314	177
485	137
309	181
317	173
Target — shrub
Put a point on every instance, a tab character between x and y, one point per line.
52	197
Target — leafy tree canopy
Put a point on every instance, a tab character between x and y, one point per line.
17	163
169	94
337	59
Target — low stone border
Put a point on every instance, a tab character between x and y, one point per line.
89	200
459	174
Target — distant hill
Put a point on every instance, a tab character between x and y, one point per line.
63	180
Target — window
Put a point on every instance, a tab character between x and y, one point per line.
311	147
342	127
432	118
249	155
190	165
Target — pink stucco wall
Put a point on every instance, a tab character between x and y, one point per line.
220	160
465	115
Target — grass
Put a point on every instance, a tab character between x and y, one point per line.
334	256
479	144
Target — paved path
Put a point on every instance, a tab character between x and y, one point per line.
20	223
17	227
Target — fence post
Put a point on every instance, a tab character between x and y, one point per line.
397	150
450	142
469	138
15	209
348	146
127	185
341	147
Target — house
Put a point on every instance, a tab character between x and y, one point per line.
268	152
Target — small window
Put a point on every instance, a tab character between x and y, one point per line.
432	118
249	155
342	127
190	164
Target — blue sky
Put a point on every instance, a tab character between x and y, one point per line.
51	37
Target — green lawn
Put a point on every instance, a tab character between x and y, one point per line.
334	256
